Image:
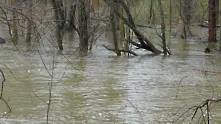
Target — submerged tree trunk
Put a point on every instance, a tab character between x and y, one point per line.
186	17
151	13
220	36
29	24
58	29
186	9
115	26
70	11
123	34
14	23
60	6
212	23
217	11
83	17
170	15
163	37
220	30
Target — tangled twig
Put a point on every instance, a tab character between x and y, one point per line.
1	95
2	84
203	104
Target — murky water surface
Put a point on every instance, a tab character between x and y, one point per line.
103	88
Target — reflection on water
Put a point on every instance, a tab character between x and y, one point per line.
104	88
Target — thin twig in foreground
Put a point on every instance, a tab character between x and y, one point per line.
137	111
179	85
2	84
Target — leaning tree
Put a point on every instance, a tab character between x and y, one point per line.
144	42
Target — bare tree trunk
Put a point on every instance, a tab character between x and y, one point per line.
29	24
220	30
151	13
122	30
68	17
73	16
217	11
220	38
114	26
163	37
58	29
212	22
186	9
187	17
60	7
83	17
14	23
170	15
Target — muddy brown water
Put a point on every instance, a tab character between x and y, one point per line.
106	89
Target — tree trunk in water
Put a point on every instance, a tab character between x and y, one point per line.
144	42
170	15
58	28
61	11
217	11
14	24
187	17
122	30
151	13
220	30
83	17
69	12
115	26
186	11
212	23
163	37
29	24
220	36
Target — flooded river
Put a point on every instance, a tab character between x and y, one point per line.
101	88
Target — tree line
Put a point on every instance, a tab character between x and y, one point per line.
88	19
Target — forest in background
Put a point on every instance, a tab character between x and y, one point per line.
28	20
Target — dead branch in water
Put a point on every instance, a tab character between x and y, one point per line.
121	50
144	42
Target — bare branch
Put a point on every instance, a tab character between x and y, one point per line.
179	85
120	50
2	83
